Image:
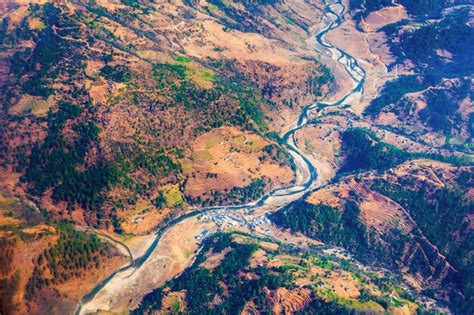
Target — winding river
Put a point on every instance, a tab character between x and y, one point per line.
306	172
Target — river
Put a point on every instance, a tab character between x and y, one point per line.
306	172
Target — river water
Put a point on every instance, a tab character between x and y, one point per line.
306	172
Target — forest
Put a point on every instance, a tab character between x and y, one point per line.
52	56
53	163
395	248
421	45
362	150
73	253
441	112
342	228
202	285
236	195
441	215
429	8
174	82
393	91
364	7
8	282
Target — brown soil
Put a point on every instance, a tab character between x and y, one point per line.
288	301
225	158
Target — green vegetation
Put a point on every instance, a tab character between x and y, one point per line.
182	59
321	307
52	55
251	192
439	49
140	171
207	76
118	73
363	150
151	301
274	153
7	246
73	253
12	237
131	3
243	20
442	107
441	113
160	200
54	163
176	83
154	164
173	196
228	287
452	34
428	8
395	248
202	284
363	8
441	215
325	223
394	90
8	287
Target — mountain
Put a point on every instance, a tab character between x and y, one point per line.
236	156
121	115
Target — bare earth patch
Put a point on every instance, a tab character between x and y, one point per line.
225	158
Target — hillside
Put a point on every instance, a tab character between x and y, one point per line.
119	95
236	157
121	115
236	274
47	265
394	170
413	218
432	101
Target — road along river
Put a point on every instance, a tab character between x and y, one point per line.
152	268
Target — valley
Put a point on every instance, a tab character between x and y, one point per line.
245	217
211	171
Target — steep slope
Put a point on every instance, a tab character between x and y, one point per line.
432	102
105	103
121	115
255	276
47	265
414	218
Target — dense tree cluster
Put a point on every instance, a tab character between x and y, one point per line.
248	20
203	285
8	281
362	150
118	73
422	45
322	307
441	218
429	8
363	8
73	253
276	155
174	83
7	246
442	107
325	223
8	287
441	215
54	163
51	57
393	91
226	289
